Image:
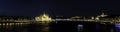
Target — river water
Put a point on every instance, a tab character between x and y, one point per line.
61	26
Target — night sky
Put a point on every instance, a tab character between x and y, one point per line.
58	7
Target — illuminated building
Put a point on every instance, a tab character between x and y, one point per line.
102	15
43	17
110	18
82	17
105	17
13	18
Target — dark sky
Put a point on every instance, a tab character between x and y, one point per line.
58	7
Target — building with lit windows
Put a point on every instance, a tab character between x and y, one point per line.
110	18
13	18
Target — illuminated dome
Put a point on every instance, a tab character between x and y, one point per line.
43	17
102	15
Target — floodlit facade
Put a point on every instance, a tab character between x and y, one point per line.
102	15
14	18
43	17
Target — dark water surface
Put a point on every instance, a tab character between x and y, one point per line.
60	26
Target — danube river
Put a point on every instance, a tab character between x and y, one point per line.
60	26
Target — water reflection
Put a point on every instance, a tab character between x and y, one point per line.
117	25
60	27
80	28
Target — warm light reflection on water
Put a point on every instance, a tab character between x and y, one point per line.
24	27
58	27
